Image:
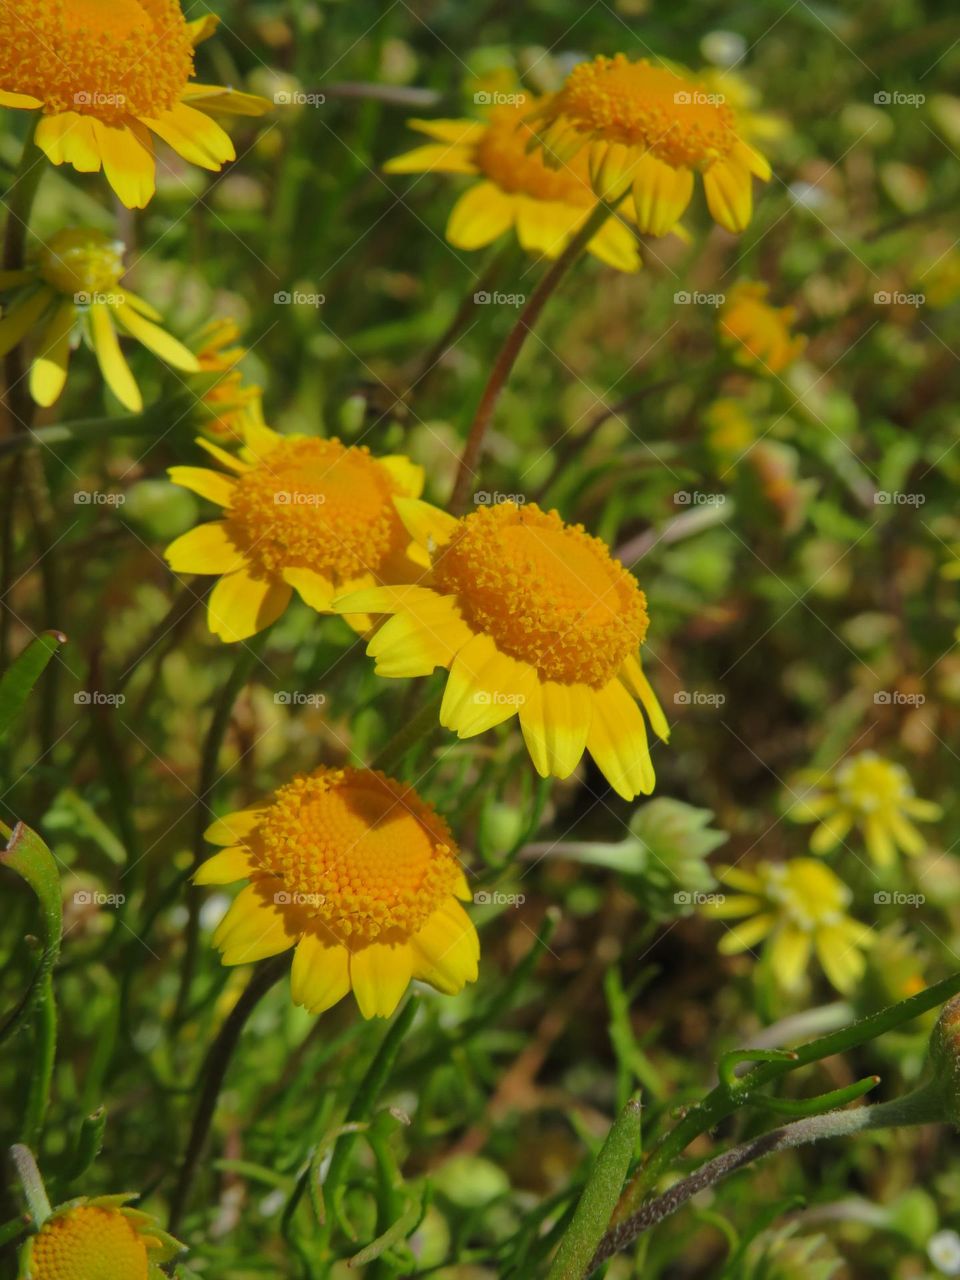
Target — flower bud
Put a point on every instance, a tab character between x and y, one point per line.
945	1058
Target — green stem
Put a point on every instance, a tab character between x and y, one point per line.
38	1205
418	727
41	1071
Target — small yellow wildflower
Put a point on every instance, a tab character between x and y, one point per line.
359	874
233	405
107	75
872	794
532	617
793	908
71	290
97	1239
300	514
759	333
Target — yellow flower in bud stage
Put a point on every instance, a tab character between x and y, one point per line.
759	333
72	290
653	129
532	617
871	794
794	908
232	404
97	1239
106	74
546	207
301	514
357	873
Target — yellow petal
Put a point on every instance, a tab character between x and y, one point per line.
140	304
435	157
426	524
321	973
226	867
379	975
48	372
157	340
211	485
555	723
789	956
751	159
480	215
545	226
193	135
632	675
879	841
232	102
616	245
831	832
729	190
313	588
202	28
20	320
69	138
127	154
233	827
241	605
415	644
225	459
842	961
617	740
484	688
206	549
746	935
258	924
457	132
22	101
660	195
612	167
406	475
113	366
401	598
446	950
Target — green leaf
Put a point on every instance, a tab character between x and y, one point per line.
20	677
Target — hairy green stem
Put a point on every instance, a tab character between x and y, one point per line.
34	1192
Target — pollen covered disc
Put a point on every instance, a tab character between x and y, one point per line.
89	1243
503	155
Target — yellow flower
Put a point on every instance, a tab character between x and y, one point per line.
795	907
532	617
652	128
108	73
92	1239
360	875
730	429
300	514
233	405
546	207
759	333
743	98
72	290
869	793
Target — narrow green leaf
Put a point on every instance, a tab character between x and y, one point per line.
813	1106
20	677
727	1066
396	1232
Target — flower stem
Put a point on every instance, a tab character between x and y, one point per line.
34	1192
507	356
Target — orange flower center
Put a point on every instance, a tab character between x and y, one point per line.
88	1243
359	853
502	156
79	261
107	58
547	593
316	504
641	105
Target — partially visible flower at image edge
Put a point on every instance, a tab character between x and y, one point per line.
106	76
871	794
71	290
95	1238
360	875
300	513
759	334
516	189
532	617
653	129
794	908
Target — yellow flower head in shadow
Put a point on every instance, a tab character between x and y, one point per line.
871	794
361	876
652	128
516	189
299	514
95	1239
532	617
72	290
759	334
109	74
232	405
794	908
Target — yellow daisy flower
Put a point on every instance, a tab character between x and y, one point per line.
90	1239
361	876
108	75
300	514
232	404
71	290
546	207
794	908
872	794
532	617
653	128
759	333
